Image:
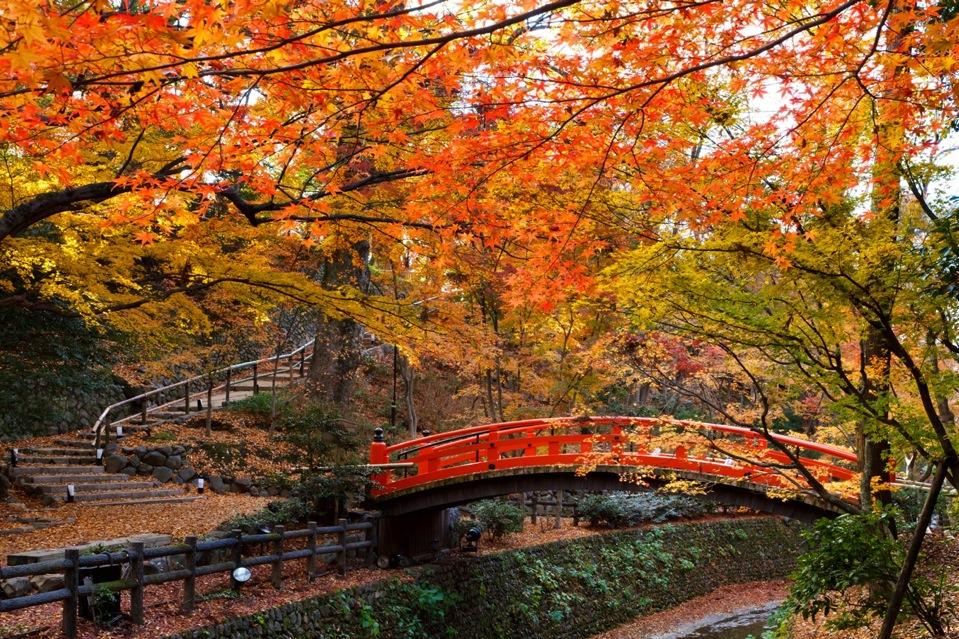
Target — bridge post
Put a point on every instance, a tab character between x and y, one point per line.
379	455
492	452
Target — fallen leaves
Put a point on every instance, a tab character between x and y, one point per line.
94	523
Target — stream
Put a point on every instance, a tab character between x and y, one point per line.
749	622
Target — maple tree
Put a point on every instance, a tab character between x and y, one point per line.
502	186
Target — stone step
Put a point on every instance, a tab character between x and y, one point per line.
264	387
69	451
117	495
144	502
61	489
86	444
92	478
59	460
54	469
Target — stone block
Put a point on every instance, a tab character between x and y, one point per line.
163	474
217	485
186	473
46	583
16	587
154	458
174	462
114	463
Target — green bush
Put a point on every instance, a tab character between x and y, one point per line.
287	511
258	405
909	502
858	550
327	492
319	434
619	510
498	517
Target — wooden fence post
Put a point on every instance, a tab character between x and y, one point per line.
311	559
256	380
237	555
209	405
143	411
341	540
302	362
375	540
71	581
135	552
189	585
368	535
186	398
276	575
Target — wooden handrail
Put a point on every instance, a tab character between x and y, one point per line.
103	420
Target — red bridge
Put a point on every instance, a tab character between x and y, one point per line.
419	473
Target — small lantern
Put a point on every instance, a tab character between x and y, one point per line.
99	456
200	485
71	493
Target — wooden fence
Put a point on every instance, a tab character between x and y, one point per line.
136	555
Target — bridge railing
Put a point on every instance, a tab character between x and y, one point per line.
718	450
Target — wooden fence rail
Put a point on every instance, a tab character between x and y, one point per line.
136	555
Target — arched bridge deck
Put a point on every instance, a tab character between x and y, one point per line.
741	466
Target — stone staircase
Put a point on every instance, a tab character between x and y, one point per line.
46	472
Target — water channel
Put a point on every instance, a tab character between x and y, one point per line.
750	622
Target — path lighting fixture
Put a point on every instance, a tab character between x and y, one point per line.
240	576
13	457
71	493
200	484
119	432
472	539
99	457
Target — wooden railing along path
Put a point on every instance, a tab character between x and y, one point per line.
221	379
135	555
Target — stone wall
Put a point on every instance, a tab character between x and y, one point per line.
170	463
568	590
162	463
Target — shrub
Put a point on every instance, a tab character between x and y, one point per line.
909	502
857	550
258	405
620	509
318	432
329	490
498	517
287	511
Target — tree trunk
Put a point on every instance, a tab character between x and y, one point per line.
408	378
337	349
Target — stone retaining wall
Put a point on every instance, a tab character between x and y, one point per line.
171	464
163	463
569	590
